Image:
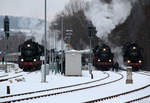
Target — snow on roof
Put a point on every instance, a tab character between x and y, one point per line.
70	51
80	51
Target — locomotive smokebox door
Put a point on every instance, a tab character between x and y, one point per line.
73	63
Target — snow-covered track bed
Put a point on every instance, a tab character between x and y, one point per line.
144	73
21	94
68	89
140	99
1	70
3	76
17	74
133	95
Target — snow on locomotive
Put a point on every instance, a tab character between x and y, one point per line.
103	57
132	54
30	56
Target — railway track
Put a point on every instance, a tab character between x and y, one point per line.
6	79
144	97
21	94
2	80
144	73
60	92
8	75
123	94
139	99
4	76
1	70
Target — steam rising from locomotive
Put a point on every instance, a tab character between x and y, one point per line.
106	15
35	27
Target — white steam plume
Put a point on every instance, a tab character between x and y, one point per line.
118	56
36	29
35	26
106	16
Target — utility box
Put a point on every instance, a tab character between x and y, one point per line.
73	63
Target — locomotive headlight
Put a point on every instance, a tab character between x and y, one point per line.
28	45
128	61
98	60
104	49
110	60
22	60
140	61
34	60
134	47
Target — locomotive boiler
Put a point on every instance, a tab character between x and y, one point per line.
103	57
132	54
30	56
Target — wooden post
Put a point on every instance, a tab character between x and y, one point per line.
129	76
8	90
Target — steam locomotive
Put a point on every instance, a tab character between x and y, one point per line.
30	56
132	54
103	57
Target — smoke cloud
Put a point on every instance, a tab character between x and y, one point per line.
105	16
35	27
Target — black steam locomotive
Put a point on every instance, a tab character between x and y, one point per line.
30	56
132	54
103	57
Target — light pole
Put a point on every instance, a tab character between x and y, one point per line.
62	30
6	30
53	64
91	32
54	32
44	70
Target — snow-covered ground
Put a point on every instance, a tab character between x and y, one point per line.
32	82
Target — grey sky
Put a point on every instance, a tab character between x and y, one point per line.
31	8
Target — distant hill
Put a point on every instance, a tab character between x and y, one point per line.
22	22
22	25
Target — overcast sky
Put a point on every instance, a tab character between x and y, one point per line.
31	8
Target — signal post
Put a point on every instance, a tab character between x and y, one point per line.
6	30
91	32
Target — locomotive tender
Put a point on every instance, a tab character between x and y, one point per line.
103	57
132	54
30	56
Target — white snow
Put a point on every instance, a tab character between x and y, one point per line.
32	82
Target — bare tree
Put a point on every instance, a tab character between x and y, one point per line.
75	19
